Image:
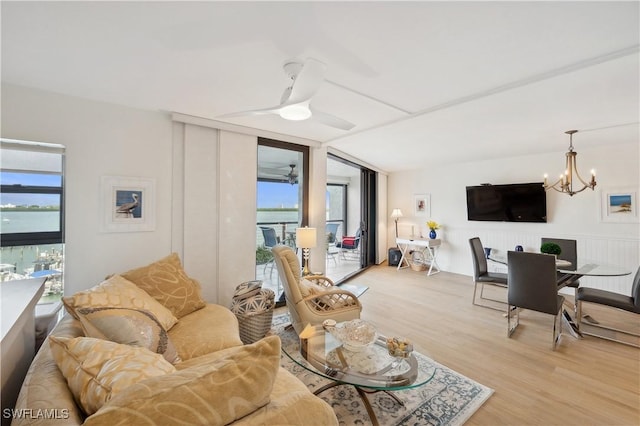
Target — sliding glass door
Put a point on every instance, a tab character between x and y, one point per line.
350	209
282	201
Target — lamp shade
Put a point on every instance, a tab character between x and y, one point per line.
306	237
396	213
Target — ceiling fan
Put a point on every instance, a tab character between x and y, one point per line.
306	78
292	176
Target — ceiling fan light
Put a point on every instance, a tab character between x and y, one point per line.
295	112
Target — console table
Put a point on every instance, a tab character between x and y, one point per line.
429	247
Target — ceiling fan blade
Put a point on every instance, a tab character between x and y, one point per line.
271	110
307	82
332	120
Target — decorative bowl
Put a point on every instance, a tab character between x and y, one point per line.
399	347
355	335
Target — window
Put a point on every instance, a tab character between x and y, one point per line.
31	194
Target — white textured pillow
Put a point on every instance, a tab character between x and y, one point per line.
117	292
96	370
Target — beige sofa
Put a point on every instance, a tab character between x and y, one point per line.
214	378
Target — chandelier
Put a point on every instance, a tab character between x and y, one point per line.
565	183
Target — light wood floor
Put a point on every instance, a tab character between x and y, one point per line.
583	382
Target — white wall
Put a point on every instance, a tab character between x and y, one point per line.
574	217
205	187
101	139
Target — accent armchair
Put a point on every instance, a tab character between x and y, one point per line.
314	298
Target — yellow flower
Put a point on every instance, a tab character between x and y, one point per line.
432	225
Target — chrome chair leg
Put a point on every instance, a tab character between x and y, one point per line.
557	328
510	310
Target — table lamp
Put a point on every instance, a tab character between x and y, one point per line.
395	214
306	239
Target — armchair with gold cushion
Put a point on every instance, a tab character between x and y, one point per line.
314	298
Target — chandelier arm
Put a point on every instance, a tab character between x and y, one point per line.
554	185
580	179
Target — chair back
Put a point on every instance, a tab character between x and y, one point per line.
332	232
288	266
568	252
270	237
533	282
635	290
358	236
478	257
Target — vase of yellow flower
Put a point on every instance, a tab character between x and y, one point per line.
433	225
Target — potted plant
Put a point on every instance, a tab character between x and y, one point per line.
550	248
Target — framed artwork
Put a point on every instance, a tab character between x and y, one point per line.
619	205
422	205
127	204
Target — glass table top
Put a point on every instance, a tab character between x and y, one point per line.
371	367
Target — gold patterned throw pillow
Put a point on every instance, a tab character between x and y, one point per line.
168	283
119	292
130	327
97	370
212	393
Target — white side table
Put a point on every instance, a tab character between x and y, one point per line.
429	248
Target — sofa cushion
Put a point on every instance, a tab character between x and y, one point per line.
291	404
97	370
119	292
206	330
215	393
167	282
130	327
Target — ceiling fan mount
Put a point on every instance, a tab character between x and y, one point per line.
293	68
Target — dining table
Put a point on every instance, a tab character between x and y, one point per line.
567	274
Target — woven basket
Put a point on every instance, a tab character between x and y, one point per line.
417	262
418	266
254	326
254	311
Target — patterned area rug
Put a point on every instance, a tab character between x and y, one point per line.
448	399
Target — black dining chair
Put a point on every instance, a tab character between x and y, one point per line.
568	252
533	285
611	299
482	276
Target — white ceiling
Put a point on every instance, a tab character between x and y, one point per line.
450	81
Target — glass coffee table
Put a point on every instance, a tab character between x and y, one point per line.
370	369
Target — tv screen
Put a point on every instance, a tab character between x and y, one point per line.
519	202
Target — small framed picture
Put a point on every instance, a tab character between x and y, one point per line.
422	205
128	204
619	205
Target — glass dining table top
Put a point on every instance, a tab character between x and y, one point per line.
585	267
594	269
372	367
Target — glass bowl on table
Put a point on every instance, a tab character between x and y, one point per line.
355	335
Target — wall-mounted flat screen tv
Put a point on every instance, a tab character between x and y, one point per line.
519	202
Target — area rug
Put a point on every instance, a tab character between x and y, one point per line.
448	399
